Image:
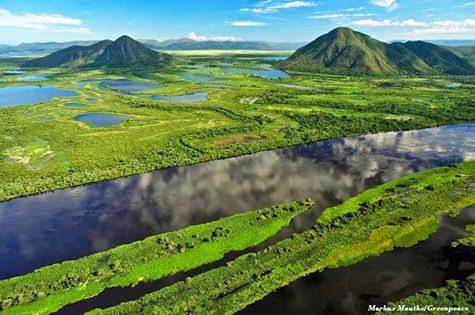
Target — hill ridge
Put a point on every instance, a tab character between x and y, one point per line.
123	52
345	51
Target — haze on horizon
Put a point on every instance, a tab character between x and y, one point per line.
267	20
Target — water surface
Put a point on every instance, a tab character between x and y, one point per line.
14	72
391	276
32	78
22	95
101	119
71	223
266	74
128	86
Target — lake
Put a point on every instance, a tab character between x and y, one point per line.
32	78
71	223
266	74
127	86
23	95
14	72
100	119
184	98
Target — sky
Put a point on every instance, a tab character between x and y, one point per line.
269	20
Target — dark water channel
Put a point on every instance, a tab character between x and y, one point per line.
71	223
375	281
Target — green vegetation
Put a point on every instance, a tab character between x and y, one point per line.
457	295
397	214
344	51
467	52
48	289
469	239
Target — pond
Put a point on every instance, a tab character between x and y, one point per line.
274	58
127	86
101	119
266	74
79	105
14	72
71	223
184	98
23	95
453	85
32	78
90	99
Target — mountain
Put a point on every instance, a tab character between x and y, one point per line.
41	48
124	52
344	51
74	56
467	52
169	44
453	42
187	44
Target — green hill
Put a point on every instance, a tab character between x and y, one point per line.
344	51
124	52
467	52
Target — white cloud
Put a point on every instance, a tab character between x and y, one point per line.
194	36
371	22
437	24
388	4
435	27
268	6
41	22
247	23
388	22
327	16
467	4
342	16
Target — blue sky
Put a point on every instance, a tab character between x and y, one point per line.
271	20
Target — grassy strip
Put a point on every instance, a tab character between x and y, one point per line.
398	214
456	297
48	289
469	239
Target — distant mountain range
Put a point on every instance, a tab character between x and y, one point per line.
344	51
171	44
124	52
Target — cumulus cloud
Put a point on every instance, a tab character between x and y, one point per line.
271	7
388	4
424	28
194	36
388	22
247	23
40	22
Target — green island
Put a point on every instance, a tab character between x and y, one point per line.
455	296
47	289
399	213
